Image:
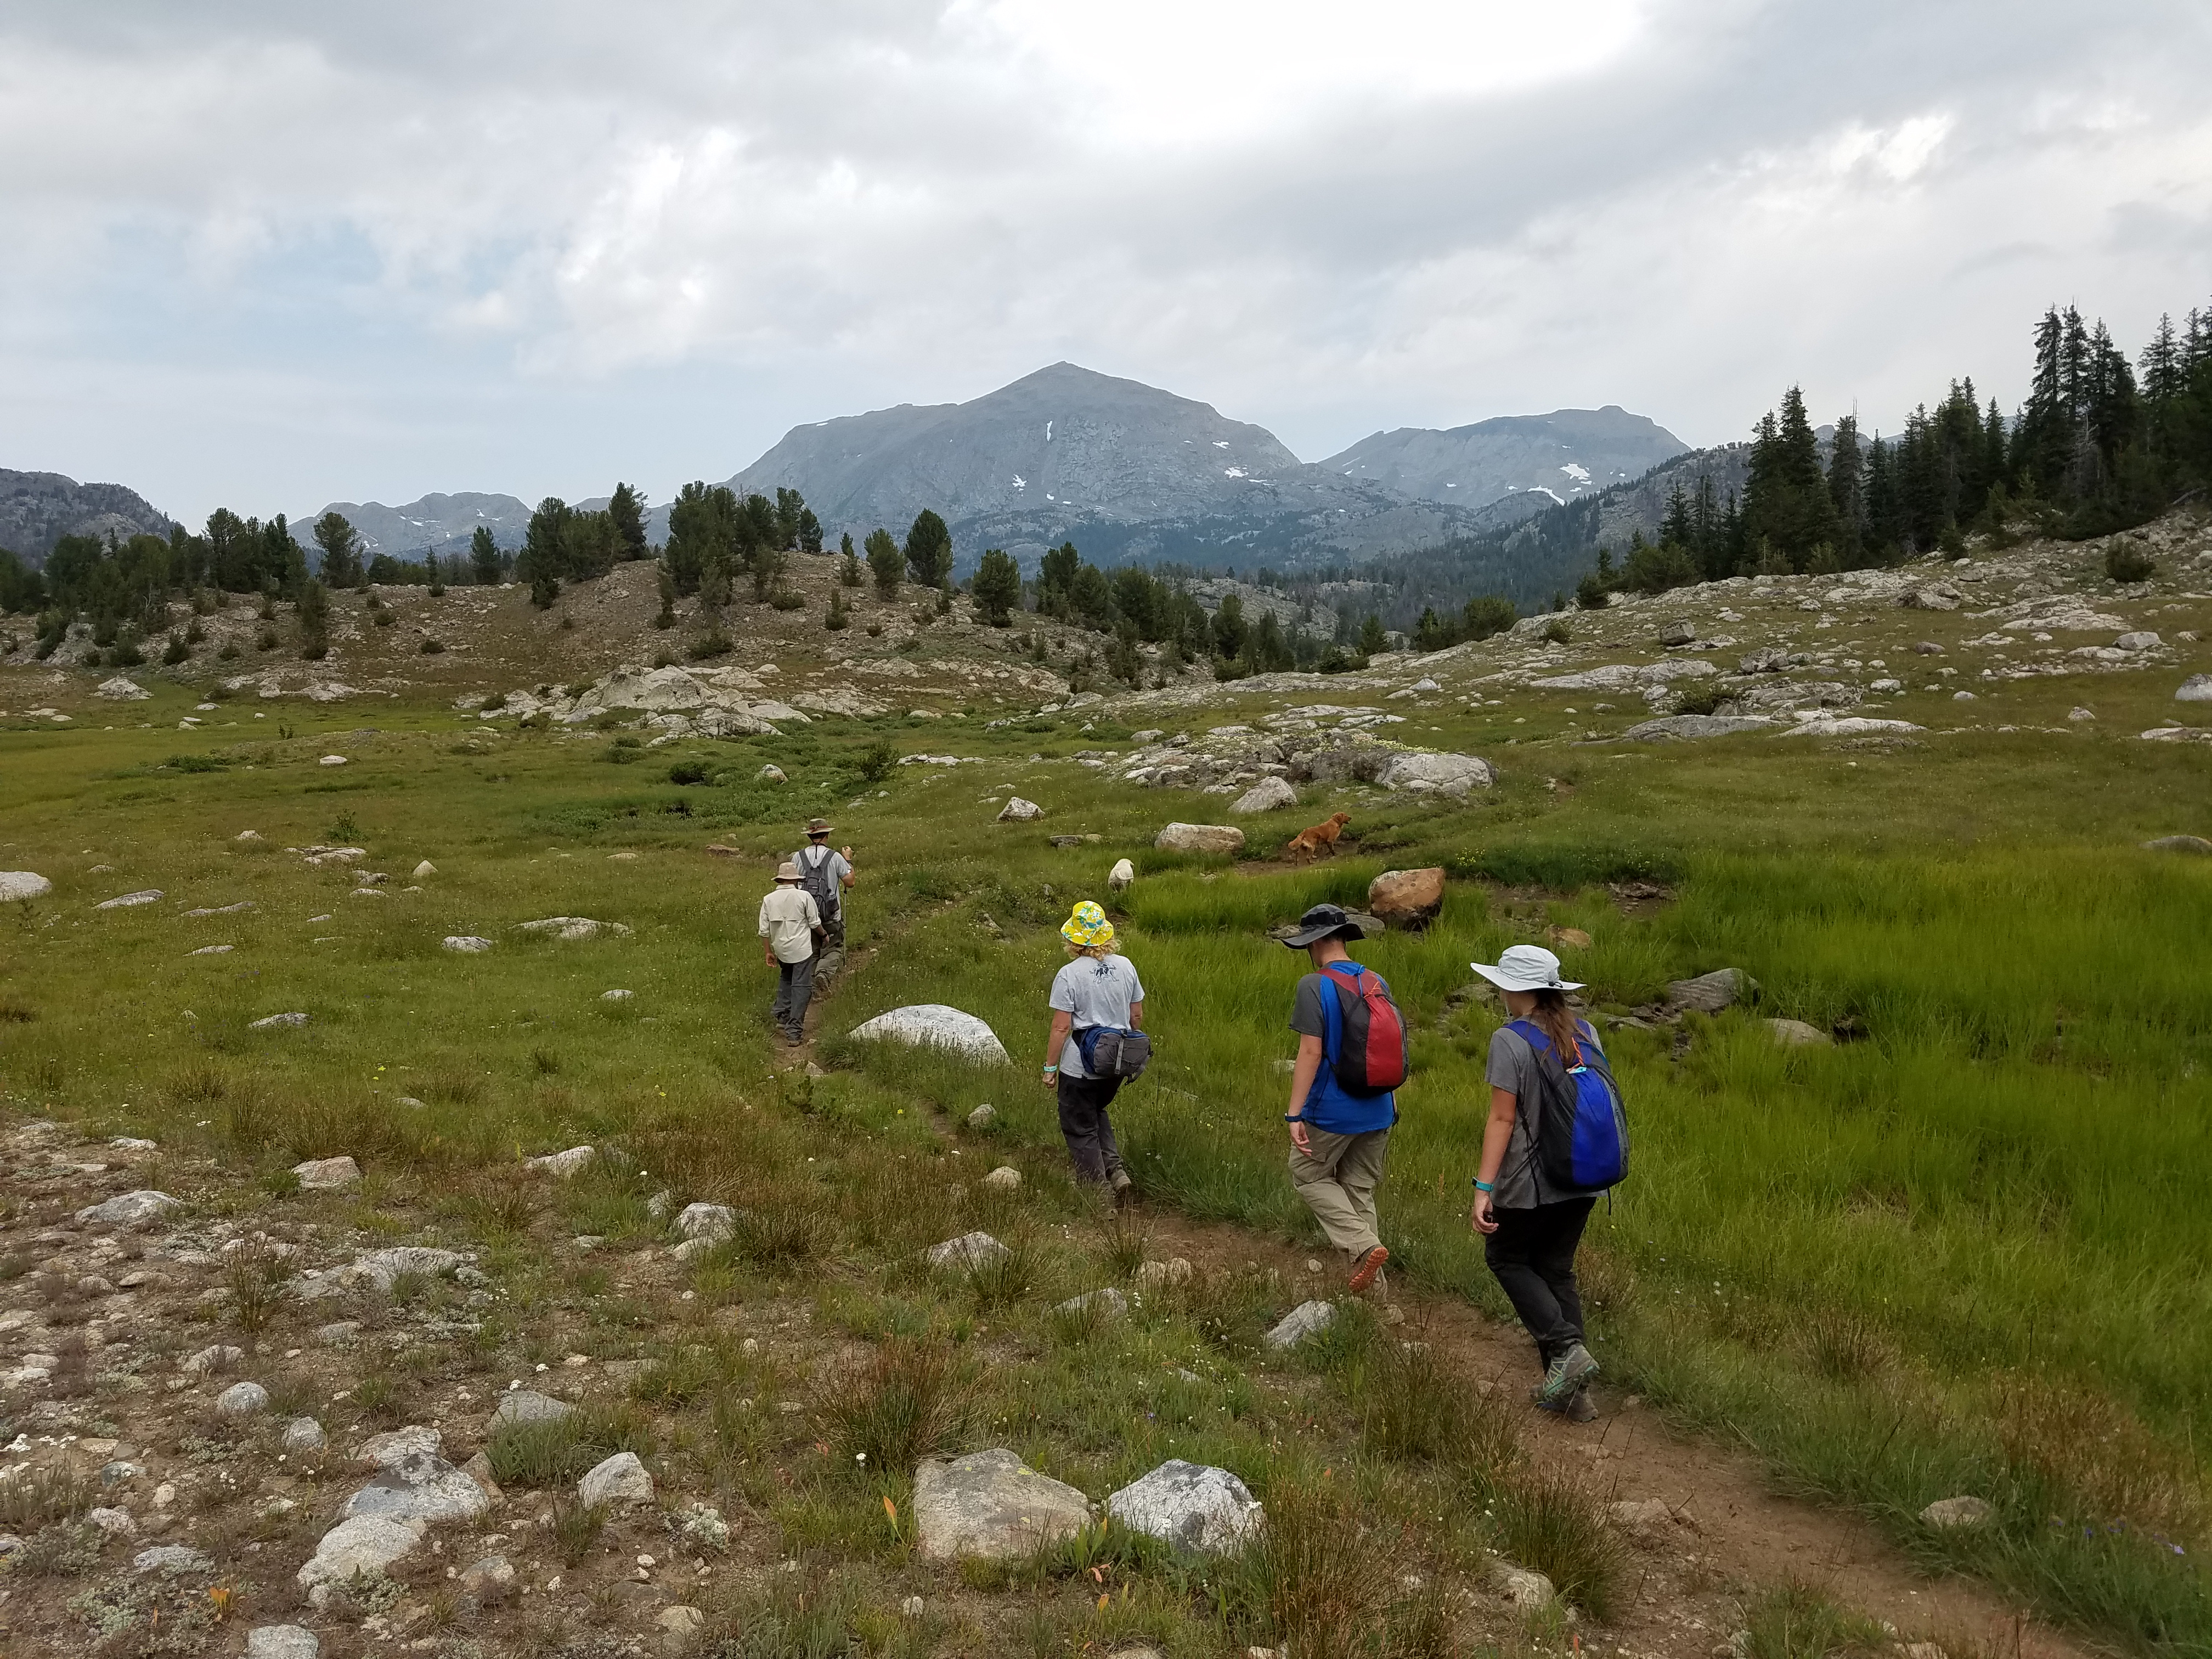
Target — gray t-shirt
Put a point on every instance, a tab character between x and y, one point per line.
1097	991
1521	1184
834	861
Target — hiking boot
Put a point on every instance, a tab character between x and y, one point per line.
1577	1407
1124	1189
1564	1375
1369	1267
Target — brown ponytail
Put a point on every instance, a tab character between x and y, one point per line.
1551	1017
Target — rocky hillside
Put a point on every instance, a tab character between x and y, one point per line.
37	509
1552	459
1126	472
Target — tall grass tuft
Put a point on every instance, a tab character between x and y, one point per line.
1558	1527
893	1409
1410	1409
1797	1620
1319	1576
254	1273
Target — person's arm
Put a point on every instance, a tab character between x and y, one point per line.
845	854
767	933
1310	1051
1062	1019
1496	1135
1137	1015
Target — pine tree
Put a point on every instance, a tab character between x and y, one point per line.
314	620
667	583
885	562
837	618
1847	489
626	508
929	550
341	548
484	556
998	588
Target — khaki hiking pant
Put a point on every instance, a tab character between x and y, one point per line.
1338	1180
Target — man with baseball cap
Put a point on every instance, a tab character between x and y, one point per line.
825	872
1338	1138
789	923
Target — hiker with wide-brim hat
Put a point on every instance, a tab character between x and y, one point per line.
1097	989
1531	1225
1340	1122
789	924
826	874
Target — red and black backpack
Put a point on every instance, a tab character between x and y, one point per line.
1366	1036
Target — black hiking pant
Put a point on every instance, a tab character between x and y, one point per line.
1086	1128
1531	1257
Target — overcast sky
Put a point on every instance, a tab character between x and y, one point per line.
269	254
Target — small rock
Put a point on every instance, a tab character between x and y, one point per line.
573	927
290	1022
1678	632
489	1582
983	1116
128	1209
2138	641
478	1469
364	1544
770	773
679	1626
173	1560
713	1222
1199	838
1408	898
304	1434
1797	1034
210	1359
1940	597
469	945
1018	811
562	1165
619	1480
1159	1275
913	1607
1005	1179
1947	1512
616	996
337	1332
115	1524
130	901
282	1642
1710	993
2078	715
327	1175
242	1399
331	760
527	1406
16	885
993	1505
2198	687
1190	1504
968	1251
1571	939
1108	1303
120	690
1268	795
2195	844
1301	1322
1523	1587
1647	1515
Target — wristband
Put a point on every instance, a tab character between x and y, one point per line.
1294	1117
1484	1186
1049	1070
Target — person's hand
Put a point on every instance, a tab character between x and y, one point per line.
845	854
1298	1136
1481	1217
1050	1077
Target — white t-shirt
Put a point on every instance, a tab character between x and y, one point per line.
1097	991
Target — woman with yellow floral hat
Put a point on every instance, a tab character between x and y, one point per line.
1098	987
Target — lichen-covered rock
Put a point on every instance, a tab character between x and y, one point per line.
1301	1322
1949	1512
1445	774
993	1505
467	945
712	1222
242	1399
1268	795
129	1209
327	1175
1160	1275
286	1022
562	1165
121	689
2198	687
304	1434
1004	1179
935	1025
380	1267
1106	1304
130	901
1710	993
2195	844
1018	811
1797	1034
1191	1504
282	1642
1199	838
172	1561
573	927
1674	727
16	885
969	1250
362	1544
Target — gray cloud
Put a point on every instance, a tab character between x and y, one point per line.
268	255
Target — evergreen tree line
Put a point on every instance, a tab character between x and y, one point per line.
2099	445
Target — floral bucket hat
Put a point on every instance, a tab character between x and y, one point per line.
1087	927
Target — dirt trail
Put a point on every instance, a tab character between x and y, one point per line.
1731	1531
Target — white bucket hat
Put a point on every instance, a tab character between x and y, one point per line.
1526	968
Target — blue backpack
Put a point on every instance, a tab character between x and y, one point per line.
1579	1125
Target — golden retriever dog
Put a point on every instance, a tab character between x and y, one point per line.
1318	842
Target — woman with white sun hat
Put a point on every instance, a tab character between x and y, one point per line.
1530	1217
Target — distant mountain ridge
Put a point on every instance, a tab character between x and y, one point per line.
37	509
1556	457
443	525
